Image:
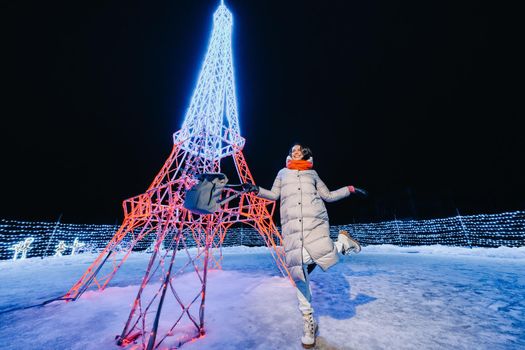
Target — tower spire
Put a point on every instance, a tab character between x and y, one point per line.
211	123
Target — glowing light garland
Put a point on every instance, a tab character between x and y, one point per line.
22	248
484	230
45	237
29	239
77	246
61	248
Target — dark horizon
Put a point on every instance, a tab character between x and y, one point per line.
416	102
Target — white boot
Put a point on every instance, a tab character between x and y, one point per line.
349	244
310	329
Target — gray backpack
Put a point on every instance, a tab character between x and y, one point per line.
204	197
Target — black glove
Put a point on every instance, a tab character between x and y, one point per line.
248	187
361	192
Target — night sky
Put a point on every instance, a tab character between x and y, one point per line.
419	102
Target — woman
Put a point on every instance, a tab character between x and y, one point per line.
305	227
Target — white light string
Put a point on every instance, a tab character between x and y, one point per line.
22	239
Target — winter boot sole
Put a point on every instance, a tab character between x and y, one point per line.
308	346
311	346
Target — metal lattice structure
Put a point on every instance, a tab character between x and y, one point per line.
169	307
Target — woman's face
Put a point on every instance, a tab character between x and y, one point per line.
297	152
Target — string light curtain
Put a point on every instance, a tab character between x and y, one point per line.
485	230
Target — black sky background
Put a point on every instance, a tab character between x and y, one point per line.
419	102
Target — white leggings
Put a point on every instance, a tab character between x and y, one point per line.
304	294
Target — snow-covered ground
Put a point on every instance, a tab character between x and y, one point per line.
386	297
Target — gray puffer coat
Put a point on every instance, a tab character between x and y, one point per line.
304	220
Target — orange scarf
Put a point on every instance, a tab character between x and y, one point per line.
299	165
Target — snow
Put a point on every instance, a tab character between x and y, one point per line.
386	297
500	252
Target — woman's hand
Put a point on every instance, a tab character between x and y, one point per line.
248	187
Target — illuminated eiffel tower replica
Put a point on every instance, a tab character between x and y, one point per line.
186	245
